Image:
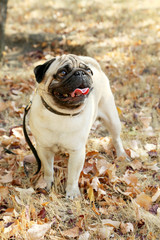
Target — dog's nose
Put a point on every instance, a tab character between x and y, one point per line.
79	72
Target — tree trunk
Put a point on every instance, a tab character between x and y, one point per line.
3	13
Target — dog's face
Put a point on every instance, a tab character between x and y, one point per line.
67	80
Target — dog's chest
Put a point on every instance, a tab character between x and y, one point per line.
61	139
60	133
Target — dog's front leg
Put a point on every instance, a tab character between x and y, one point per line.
47	159
75	166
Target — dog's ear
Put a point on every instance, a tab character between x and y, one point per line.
40	70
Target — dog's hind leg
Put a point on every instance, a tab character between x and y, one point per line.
47	158
108	113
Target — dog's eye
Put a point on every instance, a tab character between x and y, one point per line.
89	71
62	73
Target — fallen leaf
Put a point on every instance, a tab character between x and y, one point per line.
41	183
25	192
37	231
111	223
91	194
3	191
153	153
145	121
29	159
111	171
95	210
95	183
4	105
126	227
102	166
136	164
133	154
42	213
156	195
152	166
17	131
2	131
130	179
7	178
6	140
105	232
144	201
71	233
150	147
154	209
119	111
84	236
19	201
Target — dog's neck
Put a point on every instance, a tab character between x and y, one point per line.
49	108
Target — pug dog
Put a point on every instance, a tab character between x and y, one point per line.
72	92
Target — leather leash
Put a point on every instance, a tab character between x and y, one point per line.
26	110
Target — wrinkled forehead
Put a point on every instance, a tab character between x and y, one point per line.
66	60
72	60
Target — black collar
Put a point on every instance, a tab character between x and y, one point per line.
55	111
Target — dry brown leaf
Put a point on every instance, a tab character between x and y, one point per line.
3	191
71	233
102	165
17	132
7	178
95	183
152	166
133	154
150	147
105	232
103	210
119	111
156	195
25	192
95	210
2	131
136	164
144	201
126	227
111	171
92	153
111	223
29	159
145	121
4	105
130	179
91	194
107	144
6	140
41	183
84	236
38	231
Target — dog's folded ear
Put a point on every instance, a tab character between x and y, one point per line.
40	70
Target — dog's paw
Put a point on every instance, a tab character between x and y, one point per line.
48	188
49	185
72	192
125	156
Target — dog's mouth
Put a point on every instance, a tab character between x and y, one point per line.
72	98
75	95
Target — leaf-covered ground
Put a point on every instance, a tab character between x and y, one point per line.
120	200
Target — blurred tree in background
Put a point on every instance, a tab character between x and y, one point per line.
3	13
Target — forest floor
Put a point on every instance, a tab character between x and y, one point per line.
120	200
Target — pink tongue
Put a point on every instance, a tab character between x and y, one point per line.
79	92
